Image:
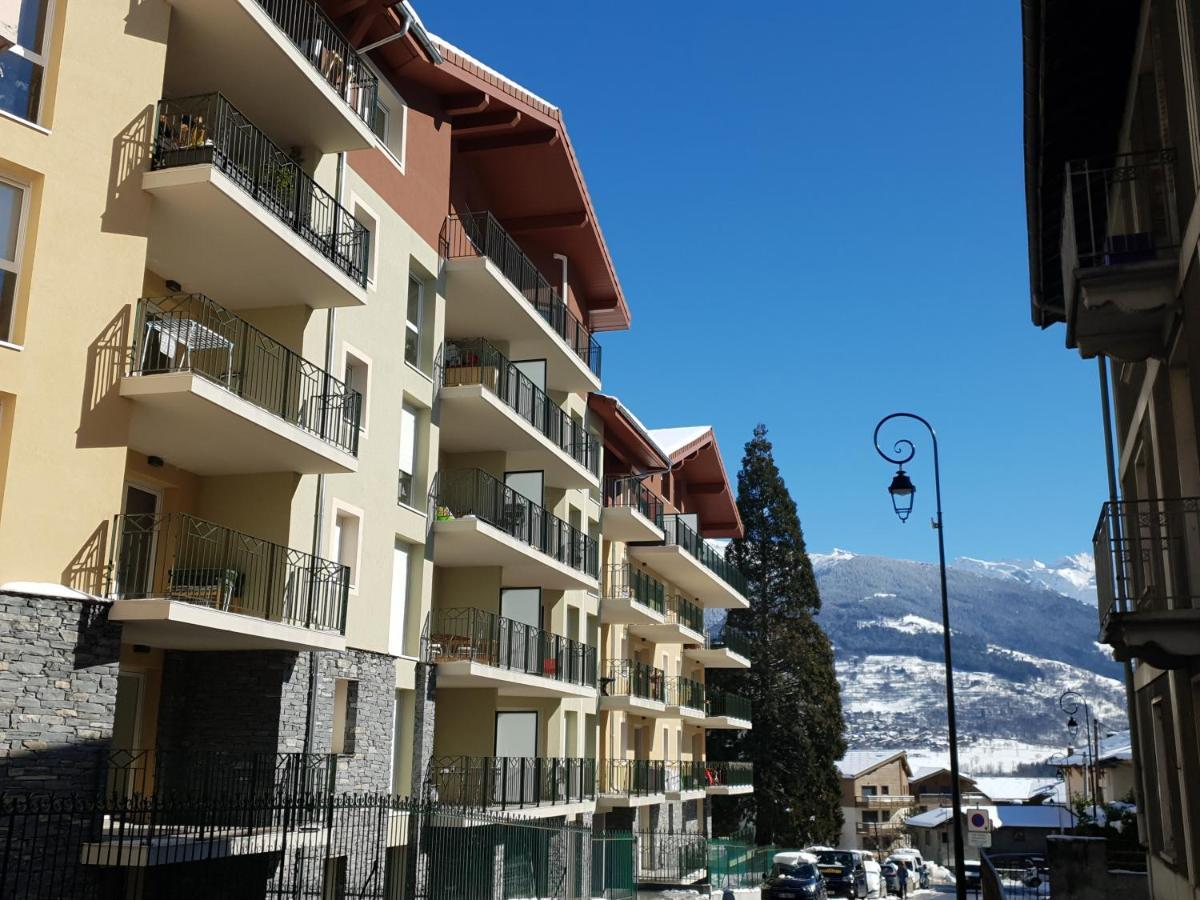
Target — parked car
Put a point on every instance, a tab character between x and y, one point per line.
922	867
890	872
874	874
972	875
844	874
799	881
908	866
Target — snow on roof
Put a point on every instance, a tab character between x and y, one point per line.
438	39
931	819
1004	815
638	424
1007	787
47	589
856	762
1117	747
672	440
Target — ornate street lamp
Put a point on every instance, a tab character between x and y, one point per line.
902	492
1070	702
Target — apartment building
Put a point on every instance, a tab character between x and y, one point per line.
1112	161
876	796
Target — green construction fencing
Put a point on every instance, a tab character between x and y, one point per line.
614	875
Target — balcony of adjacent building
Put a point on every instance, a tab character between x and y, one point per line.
725	779
179	582
685	699
1148	580
884	801
689	562
236	215
628	783
726	710
634	687
881	829
631	597
683	623
631	511
1120	254
730	650
532	786
686	779
488	404
494	288
474	648
216	396
480	521
281	61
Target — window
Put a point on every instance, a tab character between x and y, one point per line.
13	206
23	65
368	220
356	369
412	325
1165	773
346	542
390	123
345	715
401	558
405	492
870	817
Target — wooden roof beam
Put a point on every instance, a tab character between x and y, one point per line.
542	137
462	104
526	224
486	122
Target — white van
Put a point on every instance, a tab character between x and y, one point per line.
874	872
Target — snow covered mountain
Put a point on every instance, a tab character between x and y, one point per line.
1017	646
1073	575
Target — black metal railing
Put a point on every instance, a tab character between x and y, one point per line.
731	641
728	774
473	492
681	611
487	782
633	777
1148	556
181	557
328	51
208	130
722	703
685	692
681	534
1119	210
216	774
474	635
624	582
476	361
191	333
627	490
630	678
686	775
480	234
672	859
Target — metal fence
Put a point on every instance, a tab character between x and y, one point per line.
686	775
1009	876
672	859
738	864
630	678
631	491
632	777
253	777
681	534
181	557
684	692
473	492
728	774
681	611
480	234
732	641
208	130
192	333
614	875
624	582
476	361
722	703
507	783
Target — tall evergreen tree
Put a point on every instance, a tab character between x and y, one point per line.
798	732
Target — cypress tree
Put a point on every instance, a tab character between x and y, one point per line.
798	732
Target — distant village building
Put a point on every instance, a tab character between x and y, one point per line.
875	798
1114	771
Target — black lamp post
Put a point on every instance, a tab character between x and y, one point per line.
1070	702
902	491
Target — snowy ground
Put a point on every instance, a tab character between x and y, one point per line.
755	894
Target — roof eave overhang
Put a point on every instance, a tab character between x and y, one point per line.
619	426
728	522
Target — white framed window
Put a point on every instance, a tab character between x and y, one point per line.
389	121
356	372
346	540
398	613
406	488
365	217
23	65
14	211
412	321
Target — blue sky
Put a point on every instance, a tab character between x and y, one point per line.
817	214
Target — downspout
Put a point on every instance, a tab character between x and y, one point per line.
310	723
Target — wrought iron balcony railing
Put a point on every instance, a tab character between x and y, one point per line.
885	801
208	130
474	635
191	333
630	678
681	611
476	361
731	641
181	557
626	490
624	582
686	775
872	828
633	777
328	52
484	782
681	534
1148	556
685	692
723	703
219	775
729	774
473	492
480	234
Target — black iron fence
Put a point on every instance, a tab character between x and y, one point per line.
728	774
328	51
466	634
673	859
494	782
681	534
191	333
1013	876
480	234
686	775
624	582
722	703
476	361
633	777
627	490
630	678
181	557
681	611
685	692
252	777
473	492
731	641
1148	555
208	130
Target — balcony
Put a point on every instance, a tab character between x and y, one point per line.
634	687
1146	553
1120	254
217	775
872	829
555	785
478	649
631	597
683	623
631	511
626	783
490	405
688	561
480	521
216	396
726	710
685	699
283	62
235	214
686	780
182	583
493	288
884	801
729	651
725	779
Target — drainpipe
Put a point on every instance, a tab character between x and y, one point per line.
408	20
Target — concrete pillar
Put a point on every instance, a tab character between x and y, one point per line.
424	707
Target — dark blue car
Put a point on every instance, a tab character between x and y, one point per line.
801	881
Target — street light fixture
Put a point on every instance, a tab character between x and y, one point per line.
1070	702
902	491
